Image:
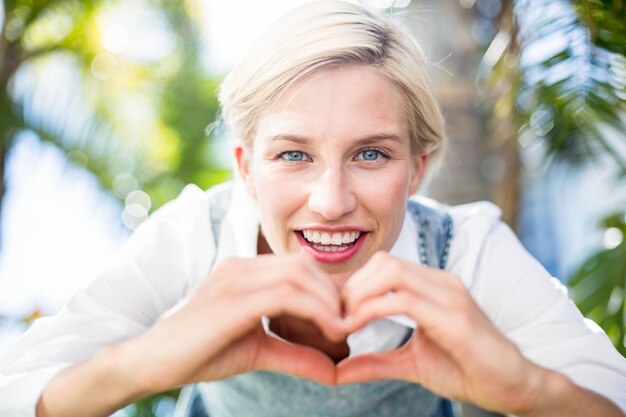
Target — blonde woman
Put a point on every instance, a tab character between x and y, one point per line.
315	285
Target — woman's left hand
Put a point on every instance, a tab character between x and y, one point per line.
455	351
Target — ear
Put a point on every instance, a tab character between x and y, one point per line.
419	168
243	158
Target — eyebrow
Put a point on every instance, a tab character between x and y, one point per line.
368	140
290	138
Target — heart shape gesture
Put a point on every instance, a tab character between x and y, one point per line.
455	351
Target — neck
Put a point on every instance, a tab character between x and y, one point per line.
262	247
306	333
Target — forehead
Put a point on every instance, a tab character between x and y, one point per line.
337	103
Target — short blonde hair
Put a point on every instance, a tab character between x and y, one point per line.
325	34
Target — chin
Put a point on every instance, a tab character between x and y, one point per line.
340	273
339	279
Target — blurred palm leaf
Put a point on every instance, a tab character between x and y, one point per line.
569	70
600	284
556	73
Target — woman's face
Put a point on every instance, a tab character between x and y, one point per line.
331	168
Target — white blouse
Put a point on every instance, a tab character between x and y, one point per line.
171	254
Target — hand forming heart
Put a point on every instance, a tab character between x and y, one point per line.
455	351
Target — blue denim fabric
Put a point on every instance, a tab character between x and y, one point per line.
269	394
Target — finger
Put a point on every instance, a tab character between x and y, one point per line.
458	331
391	275
400	302
433	319
303	361
382	262
377	276
441	377
285	299
243	276
376	366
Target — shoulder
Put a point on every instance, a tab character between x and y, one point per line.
190	209
467	215
474	228
191	199
178	220
176	239
476	214
475	225
471	224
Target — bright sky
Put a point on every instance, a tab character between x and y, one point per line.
58	229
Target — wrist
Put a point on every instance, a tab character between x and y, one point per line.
126	371
529	395
560	396
97	386
552	387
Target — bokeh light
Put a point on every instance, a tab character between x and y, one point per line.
103	66
613	237
124	183
115	39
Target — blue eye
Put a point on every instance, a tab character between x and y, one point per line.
294	156
370	155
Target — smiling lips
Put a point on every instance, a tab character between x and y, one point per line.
331	247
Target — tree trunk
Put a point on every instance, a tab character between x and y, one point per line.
504	128
506	190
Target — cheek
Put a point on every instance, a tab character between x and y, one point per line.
277	199
385	190
385	198
275	192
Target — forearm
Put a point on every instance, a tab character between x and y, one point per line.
95	387
561	397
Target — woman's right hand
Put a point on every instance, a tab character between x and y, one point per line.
217	331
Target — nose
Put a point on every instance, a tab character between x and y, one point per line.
332	195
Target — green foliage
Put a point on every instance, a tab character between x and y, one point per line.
573	100
568	67
114	114
153	406
599	286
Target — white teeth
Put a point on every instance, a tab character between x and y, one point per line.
330	248
314	237
335	239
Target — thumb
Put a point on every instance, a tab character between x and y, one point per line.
395	364
299	360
